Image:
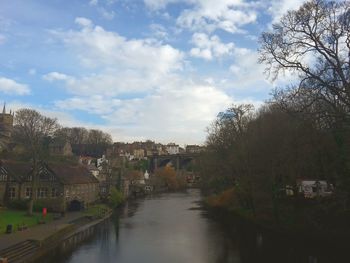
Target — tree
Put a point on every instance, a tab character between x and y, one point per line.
169	177
314	44
85	142
116	198
32	129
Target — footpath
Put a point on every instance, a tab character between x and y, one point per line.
38	233
23	245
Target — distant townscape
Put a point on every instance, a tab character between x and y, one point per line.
67	169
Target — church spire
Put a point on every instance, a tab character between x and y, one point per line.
4	109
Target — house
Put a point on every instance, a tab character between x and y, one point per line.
314	188
193	149
60	187
172	148
139	154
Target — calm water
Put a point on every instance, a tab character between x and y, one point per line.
171	228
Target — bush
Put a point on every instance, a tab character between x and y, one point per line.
116	198
18	204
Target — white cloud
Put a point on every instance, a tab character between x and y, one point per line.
159	31
109	15
247	72
210	47
12	87
160	4
53	76
84	22
160	100
93	2
210	15
180	111
122	65
278	8
96	46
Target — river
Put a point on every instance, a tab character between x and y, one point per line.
172	228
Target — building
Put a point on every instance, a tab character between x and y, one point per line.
193	149
60	187
172	148
314	188
6	128
139	154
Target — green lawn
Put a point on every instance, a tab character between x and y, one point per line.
19	217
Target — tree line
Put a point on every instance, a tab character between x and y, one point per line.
35	132
301	132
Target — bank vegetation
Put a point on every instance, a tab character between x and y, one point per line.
302	132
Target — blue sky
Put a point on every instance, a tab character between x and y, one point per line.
138	69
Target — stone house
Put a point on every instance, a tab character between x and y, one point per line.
60	187
172	148
139	154
194	149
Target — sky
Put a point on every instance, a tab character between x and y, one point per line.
137	69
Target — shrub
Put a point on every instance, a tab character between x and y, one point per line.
116	198
18	204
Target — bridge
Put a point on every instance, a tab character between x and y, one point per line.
178	161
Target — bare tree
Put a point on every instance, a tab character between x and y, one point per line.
32	128
314	44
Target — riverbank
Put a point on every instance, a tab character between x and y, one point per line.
325	244
31	244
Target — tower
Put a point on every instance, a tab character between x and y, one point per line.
6	126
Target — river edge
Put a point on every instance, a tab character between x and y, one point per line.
320	245
74	236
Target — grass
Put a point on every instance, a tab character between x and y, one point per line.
97	210
19	217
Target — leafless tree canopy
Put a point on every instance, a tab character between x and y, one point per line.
314	44
31	128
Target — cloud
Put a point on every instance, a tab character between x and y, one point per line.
53	76
84	22
210	15
12	87
120	65
160	4
180	111
247	72
210	47
159	31
93	2
109	15
278	8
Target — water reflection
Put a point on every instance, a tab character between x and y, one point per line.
173	228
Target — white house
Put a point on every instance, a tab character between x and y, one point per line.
313	188
172	148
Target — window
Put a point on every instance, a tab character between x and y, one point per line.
29	192
54	192
67	193
3	174
12	193
42	192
